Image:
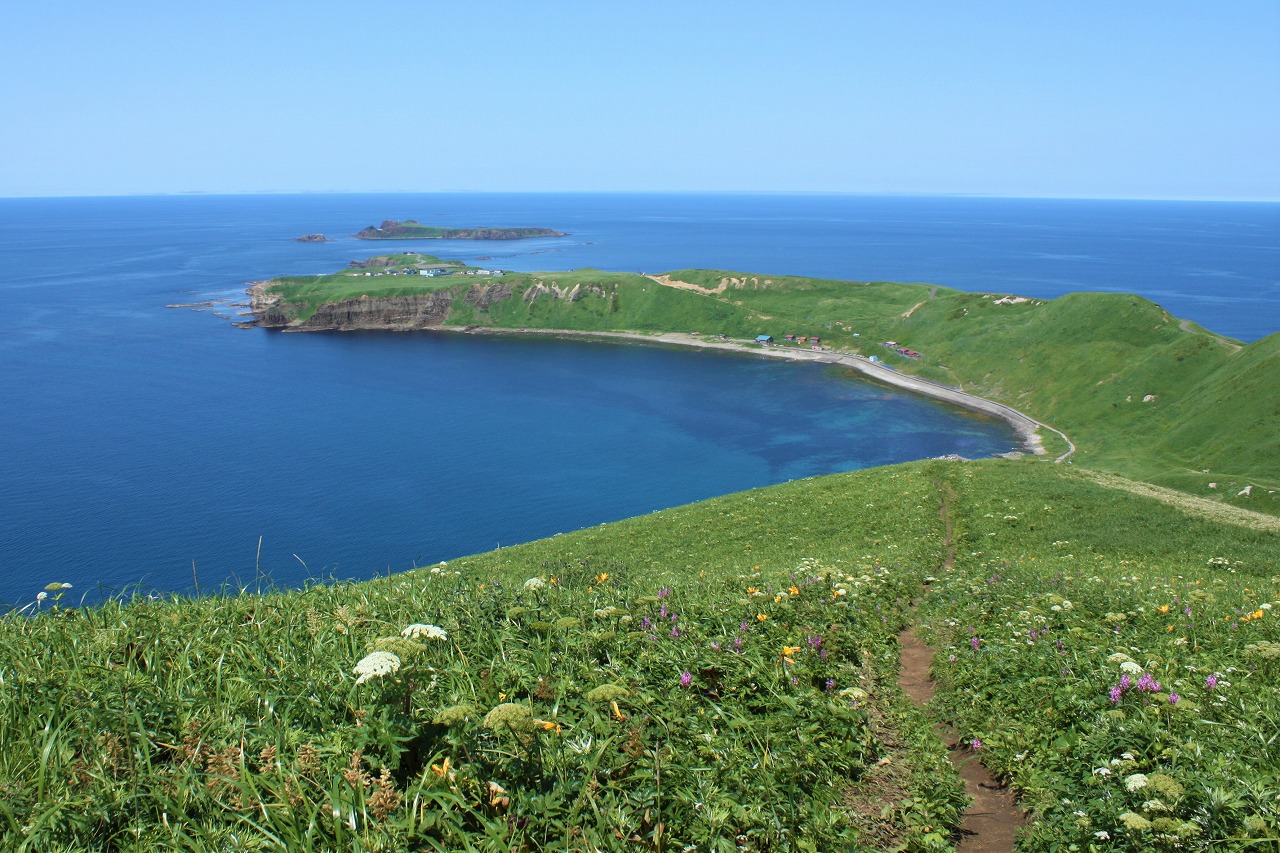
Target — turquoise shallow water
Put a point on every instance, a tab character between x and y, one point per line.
138	440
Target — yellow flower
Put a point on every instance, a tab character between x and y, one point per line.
442	768
602	577
760	617
1257	614
617	714
1163	608
751	590
794	590
789	651
777	598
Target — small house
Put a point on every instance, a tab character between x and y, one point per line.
764	339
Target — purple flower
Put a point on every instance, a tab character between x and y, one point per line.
662	611
815	642
1173	698
686	678
715	646
1116	693
1147	684
737	642
675	632
744	626
1211	682
1125	681
975	642
645	623
664	592
830	684
976	744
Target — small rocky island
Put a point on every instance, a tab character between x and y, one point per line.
411	229
311	238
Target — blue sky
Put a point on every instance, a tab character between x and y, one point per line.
1134	99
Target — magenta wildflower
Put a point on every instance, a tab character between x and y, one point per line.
737	642
975	642
1125	681
715	646
1147	684
645	623
664	592
662	612
1211	682
1116	693
675	632
976	744
830	684
1173	698
686	678
744	626
815	642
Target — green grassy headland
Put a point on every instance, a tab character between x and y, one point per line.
1139	392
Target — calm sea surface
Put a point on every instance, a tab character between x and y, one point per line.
136	440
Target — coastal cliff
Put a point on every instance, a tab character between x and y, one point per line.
406	312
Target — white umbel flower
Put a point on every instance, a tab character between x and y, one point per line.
1135	782
418	630
376	665
1130	667
534	583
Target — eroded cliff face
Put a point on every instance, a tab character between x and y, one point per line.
419	311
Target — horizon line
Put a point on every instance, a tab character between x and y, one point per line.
865	193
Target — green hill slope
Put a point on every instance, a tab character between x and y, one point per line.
720	675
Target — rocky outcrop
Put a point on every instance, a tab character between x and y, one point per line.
410	229
311	238
482	296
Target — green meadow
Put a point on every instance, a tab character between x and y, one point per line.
723	676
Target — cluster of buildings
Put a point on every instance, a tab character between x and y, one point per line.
900	350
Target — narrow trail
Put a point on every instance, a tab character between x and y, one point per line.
991	823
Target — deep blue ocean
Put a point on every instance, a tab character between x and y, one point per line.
137	440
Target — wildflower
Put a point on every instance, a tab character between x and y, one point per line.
1116	693
1101	771
1130	666
976	744
645	623
602	577
1211	682
737	642
686	678
751	590
1173	698
1102	835
534	584
975	642
1136	782
830	684
664	592
376	665
793	589
56	587
441	769
760	617
790	651
418	630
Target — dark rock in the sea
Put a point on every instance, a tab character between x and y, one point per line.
311	238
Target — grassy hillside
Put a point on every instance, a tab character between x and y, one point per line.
718	675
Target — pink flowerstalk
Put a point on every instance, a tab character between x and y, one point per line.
686	678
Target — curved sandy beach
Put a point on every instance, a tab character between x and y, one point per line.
1026	426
